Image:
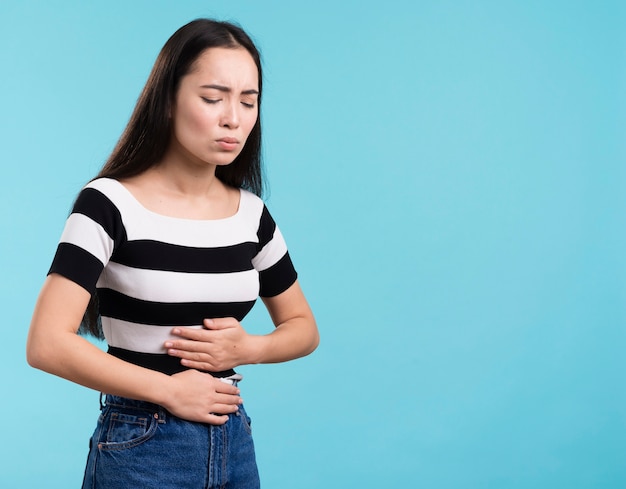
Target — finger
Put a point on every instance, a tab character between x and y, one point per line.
187	345
201	361
222	409
220	323
216	419
228	399
208	367
194	359
224	388
201	366
194	334
191	357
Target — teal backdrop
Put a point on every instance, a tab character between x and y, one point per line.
451	180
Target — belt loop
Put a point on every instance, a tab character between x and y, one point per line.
102	403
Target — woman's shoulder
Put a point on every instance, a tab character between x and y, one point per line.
107	186
251	204
105	192
104	185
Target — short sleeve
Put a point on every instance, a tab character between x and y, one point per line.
276	270
92	232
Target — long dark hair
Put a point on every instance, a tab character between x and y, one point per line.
147	135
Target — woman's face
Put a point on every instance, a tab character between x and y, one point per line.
216	107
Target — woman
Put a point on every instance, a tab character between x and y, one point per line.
163	255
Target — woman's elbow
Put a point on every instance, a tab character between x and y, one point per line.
35	356
315	339
39	353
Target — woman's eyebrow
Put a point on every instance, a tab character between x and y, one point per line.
222	88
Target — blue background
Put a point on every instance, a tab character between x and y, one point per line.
451	179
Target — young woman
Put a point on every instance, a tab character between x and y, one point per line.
163	255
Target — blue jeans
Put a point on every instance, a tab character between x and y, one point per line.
140	445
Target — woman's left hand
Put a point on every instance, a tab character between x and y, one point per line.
222	345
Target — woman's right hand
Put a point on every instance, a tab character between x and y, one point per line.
196	396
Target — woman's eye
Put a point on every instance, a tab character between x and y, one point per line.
210	100
248	105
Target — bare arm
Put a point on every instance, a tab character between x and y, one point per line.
54	346
296	333
225	344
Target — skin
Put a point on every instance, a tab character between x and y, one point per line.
216	100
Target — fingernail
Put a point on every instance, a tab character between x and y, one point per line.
169	344
176	331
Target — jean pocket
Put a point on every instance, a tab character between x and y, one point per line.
126	430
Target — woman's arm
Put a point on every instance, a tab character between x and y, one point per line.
54	346
225	344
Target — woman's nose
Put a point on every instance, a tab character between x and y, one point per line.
230	116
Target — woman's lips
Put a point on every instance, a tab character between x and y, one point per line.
228	144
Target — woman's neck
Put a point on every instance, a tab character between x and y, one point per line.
184	191
185	176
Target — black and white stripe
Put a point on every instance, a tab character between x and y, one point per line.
154	272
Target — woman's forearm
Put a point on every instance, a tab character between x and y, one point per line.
72	357
54	346
292	339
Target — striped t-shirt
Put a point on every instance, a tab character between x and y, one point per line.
154	272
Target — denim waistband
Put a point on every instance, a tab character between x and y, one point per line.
125	402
